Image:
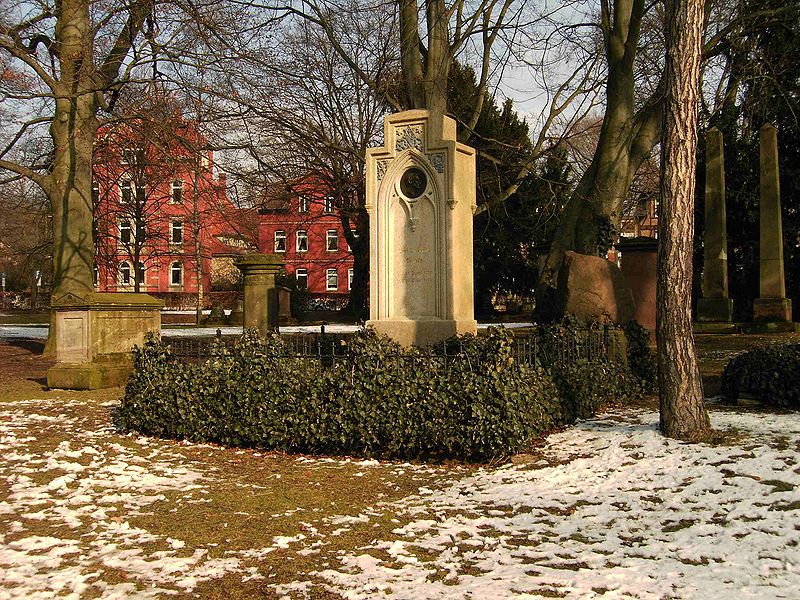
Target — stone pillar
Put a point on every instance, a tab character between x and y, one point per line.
715	305
772	304
420	199
95	334
260	292
639	258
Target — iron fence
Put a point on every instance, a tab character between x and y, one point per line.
537	346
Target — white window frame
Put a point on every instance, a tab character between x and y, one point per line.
126	183
301	234
350	274
124	272
303	204
173	229
177	186
131	232
301	274
140	273
172	272
328	206
329	238
280	234
332	280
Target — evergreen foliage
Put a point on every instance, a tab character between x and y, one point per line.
770	374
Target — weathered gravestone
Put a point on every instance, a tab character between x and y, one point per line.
715	305
772	303
421	198
260	309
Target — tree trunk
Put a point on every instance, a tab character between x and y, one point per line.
683	414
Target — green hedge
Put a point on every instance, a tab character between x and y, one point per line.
381	401
770	374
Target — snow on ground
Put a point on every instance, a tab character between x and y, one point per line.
39	332
608	508
613	510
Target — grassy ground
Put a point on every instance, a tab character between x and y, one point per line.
244	506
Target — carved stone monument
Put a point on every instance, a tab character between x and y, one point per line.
772	303
420	199
95	334
715	305
260	293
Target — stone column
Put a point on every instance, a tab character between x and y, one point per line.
715	305
260	292
772	305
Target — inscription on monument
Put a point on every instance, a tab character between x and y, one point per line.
414	262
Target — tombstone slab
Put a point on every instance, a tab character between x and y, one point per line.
421	199
260	309
772	304
715	305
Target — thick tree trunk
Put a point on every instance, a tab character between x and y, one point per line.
683	414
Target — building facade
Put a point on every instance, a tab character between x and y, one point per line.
302	224
162	218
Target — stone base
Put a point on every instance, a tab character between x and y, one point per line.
771	327
107	371
419	332
772	309
714	310
716	328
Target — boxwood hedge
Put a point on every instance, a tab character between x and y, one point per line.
381	401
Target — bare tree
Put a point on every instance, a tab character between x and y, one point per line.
683	414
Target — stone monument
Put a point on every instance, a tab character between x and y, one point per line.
715	305
639	258
95	334
420	199
260	292
772	305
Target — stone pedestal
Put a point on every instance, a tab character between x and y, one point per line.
639	258
95	335
715	305
772	304
260	292
421	198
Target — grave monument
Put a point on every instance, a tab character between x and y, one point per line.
772	305
715	305
260	310
420	199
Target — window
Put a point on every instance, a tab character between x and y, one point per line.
176	274
124	273
125	192
302	241
303	204
331	280
95	194
140	197
177	192
332	241
133	157
328	207
349	279
96	276
140	272
280	241
301	278
125	233
176	235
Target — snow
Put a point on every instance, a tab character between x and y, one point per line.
608	508
40	332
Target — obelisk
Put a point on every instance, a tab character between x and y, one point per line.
772	303
715	305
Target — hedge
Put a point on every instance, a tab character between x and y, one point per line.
381	401
770	374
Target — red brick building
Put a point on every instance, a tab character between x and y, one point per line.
301	223
163	221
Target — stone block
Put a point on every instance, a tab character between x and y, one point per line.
639	257
593	289
772	309
771	327
718	327
712	310
103	373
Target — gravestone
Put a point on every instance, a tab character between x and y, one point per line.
772	305
420	199
260	292
639	258
95	334
715	305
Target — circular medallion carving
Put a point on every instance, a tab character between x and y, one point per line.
413	183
